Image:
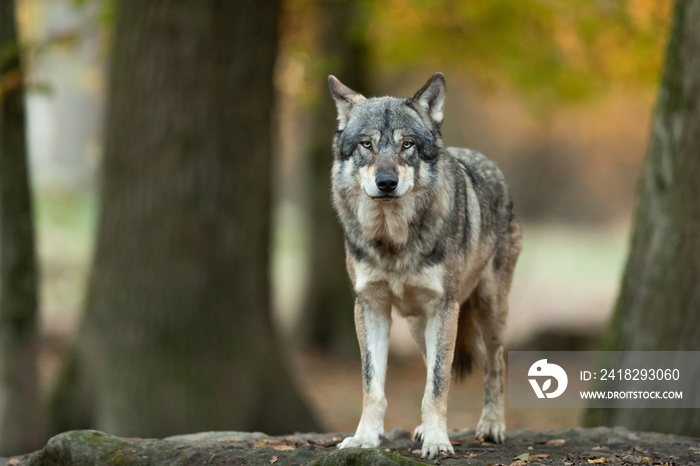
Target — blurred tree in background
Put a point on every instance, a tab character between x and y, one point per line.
659	303
177	335
326	321
548	51
21	413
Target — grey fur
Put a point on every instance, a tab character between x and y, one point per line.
445	240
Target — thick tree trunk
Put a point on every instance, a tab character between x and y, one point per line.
327	321
659	303
21	420
178	334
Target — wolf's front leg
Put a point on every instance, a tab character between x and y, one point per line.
372	323
440	335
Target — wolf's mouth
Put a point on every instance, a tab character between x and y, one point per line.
386	198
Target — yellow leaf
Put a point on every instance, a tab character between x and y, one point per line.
555	442
283	447
598	460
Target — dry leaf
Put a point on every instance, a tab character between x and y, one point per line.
518	463
273	460
283	447
455	443
536	458
597	460
555	442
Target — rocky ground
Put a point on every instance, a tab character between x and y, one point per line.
577	446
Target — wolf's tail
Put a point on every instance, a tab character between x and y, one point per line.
468	348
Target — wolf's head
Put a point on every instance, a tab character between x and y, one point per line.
387	147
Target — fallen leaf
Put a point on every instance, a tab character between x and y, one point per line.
523	457
518	463
471	455
455	443
555	442
273	460
283	447
597	460
646	460
260	444
536	458
600	447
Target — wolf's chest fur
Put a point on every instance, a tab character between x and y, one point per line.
396	252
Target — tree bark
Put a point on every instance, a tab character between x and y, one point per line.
178	334
659	303
21	415
327	322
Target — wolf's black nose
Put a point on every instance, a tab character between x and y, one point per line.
387	182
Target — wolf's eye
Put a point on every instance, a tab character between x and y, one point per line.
367	144
407	144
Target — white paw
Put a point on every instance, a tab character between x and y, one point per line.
360	441
491	430
435	441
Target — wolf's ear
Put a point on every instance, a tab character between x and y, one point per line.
430	98
344	98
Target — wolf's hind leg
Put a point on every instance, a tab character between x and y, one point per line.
417	326
492	315
372	325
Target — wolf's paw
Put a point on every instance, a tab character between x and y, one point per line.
491	431
360	441
435	442
418	433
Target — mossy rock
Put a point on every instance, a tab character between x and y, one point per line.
363	457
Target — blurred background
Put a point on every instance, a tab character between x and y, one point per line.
559	94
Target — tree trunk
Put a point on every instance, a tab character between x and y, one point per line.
21	420
327	322
178	334
659	303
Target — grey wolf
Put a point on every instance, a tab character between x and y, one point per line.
431	232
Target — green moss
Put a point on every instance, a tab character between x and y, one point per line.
363	457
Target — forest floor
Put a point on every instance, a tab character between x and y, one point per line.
579	446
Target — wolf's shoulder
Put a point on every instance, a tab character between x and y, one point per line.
475	163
